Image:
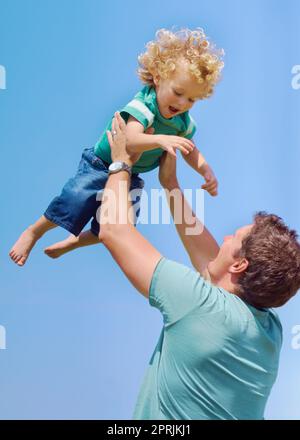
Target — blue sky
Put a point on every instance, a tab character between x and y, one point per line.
78	336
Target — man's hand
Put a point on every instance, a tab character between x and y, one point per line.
117	142
167	171
211	183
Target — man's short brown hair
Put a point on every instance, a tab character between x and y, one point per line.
273	253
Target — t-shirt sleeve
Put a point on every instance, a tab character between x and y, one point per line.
176	290
191	128
140	111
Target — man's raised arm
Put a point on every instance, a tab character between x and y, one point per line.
133	253
202	247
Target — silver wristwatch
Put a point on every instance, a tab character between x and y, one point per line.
116	167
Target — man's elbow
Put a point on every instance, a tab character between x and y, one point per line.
105	234
109	233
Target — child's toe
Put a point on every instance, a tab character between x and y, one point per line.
21	261
15	257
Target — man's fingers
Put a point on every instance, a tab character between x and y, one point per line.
113	126
210	185
212	191
210	179
109	137
207	185
120	120
116	123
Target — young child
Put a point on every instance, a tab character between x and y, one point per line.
178	68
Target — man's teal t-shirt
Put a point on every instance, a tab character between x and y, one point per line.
217	357
145	109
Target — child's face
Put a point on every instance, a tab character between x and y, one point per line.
178	93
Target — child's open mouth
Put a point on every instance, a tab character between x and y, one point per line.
173	110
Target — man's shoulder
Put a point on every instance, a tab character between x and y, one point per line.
274	315
175	285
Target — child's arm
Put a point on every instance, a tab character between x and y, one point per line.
138	141
198	162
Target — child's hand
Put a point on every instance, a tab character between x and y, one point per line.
170	143
211	183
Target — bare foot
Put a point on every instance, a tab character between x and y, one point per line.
21	249
62	247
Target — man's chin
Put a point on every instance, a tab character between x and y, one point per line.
210	271
206	273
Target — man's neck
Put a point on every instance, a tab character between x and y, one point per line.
225	282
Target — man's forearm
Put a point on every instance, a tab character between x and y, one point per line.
132	252
116	209
143	142
196	160
202	247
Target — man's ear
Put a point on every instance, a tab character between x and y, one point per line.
239	266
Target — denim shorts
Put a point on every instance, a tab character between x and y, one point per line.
79	200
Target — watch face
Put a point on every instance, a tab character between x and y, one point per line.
115	166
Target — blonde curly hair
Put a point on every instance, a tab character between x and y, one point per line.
205	61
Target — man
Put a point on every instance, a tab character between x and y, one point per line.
218	354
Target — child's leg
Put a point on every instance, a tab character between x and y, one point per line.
90	237
21	249
86	238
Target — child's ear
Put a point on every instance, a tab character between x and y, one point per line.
156	79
